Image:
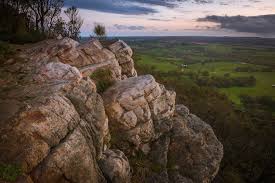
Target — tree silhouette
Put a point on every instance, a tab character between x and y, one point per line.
75	22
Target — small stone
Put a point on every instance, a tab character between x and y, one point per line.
115	166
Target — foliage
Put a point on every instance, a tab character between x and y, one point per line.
103	79
253	69
143	167
9	172
224	82
60	28
75	22
27	21
100	31
5	51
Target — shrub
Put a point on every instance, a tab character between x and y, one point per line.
103	79
9	172
5	50
100	31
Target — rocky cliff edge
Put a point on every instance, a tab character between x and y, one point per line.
56	127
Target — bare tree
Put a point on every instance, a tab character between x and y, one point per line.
75	22
45	11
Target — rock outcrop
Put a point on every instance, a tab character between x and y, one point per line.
124	55
55	127
134	106
196	141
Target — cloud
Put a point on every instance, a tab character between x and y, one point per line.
111	6
263	24
125	27
254	1
161	20
128	7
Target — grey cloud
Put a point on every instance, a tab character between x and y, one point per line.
124	27
254	1
161	20
111	6
263	24
224	4
127	7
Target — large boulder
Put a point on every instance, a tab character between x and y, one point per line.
188	153
135	107
194	151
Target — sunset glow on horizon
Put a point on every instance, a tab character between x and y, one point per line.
173	18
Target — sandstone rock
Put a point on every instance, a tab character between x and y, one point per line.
89	106
133	105
54	126
115	166
88	57
194	151
124	54
71	161
55	129
56	71
182	110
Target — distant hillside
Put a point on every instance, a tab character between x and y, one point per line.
269	42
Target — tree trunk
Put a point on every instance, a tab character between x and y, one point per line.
42	24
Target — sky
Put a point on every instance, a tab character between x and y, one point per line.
253	18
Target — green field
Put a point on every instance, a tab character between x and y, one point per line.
217	60
264	80
159	64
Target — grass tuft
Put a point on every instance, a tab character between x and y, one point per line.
103	79
9	172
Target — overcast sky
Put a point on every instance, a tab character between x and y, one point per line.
179	17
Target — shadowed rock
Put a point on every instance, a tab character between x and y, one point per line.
115	166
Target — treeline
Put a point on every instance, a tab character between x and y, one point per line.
33	20
204	79
260	108
246	134
226	82
253	69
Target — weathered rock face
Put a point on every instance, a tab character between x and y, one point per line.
48	135
133	105
56	71
53	123
88	57
70	52
124	55
57	128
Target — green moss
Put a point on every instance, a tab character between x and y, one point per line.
9	172
103	79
